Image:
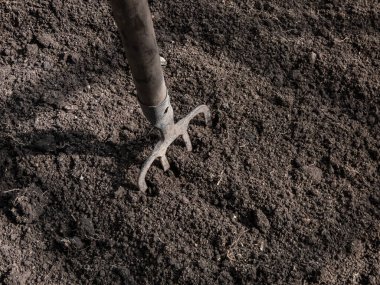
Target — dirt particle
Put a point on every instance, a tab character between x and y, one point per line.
261	221
76	242
268	7
125	275
70	107
313	172
312	57
71	243
63	56
296	75
134	196
26	205
184	199
313	192
85	227
15	277
356	248
278	80
120	193
73	58
6	52
163	61
284	100
327	276
46	65
225	278
31	50
46	41
259	5
13	237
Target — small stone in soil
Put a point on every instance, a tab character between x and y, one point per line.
184	199
31	50
296	75
284	100
46	40
134	196
46	65
86	227
261	221
163	61
27	204
70	107
313	172
74	242
77	242
312	57
120	192
73	58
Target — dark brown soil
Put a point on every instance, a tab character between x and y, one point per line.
283	189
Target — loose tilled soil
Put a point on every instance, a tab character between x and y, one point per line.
283	189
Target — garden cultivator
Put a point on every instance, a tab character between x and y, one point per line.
134	21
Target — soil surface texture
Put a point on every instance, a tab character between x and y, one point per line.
282	189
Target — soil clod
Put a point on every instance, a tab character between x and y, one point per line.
261	221
25	205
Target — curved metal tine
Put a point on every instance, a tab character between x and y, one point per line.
200	109
184	123
187	140
206	112
161	147
164	162
144	170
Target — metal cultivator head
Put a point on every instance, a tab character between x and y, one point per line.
169	131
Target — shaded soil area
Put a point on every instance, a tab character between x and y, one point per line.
283	189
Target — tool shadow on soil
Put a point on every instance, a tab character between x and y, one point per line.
53	92
56	88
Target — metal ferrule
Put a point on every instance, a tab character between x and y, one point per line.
160	115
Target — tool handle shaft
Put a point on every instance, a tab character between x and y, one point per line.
135	25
